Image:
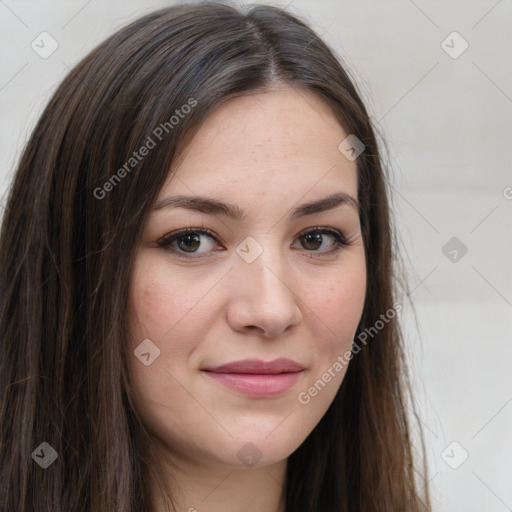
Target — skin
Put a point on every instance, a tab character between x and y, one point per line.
268	153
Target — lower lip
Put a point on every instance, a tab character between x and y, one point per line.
259	385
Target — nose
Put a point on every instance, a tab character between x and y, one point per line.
264	296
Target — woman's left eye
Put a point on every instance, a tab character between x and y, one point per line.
185	242
315	238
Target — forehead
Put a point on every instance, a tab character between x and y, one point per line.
283	142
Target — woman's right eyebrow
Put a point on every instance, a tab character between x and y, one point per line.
212	206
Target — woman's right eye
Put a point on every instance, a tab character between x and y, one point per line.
185	242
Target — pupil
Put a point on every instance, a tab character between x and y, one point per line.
189	238
316	238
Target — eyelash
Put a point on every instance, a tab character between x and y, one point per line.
165	242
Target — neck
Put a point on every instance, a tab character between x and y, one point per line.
201	488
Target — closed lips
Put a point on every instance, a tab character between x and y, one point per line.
257	378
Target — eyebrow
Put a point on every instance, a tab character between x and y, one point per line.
212	206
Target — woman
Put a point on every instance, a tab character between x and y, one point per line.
199	311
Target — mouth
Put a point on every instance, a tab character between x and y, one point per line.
257	378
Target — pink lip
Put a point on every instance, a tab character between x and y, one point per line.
257	378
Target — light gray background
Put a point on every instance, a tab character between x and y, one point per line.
448	125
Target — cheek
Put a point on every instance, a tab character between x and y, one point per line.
154	306
338	306
161	305
335	314
164	309
349	297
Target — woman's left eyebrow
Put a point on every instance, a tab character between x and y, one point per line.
212	206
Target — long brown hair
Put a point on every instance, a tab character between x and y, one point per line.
69	236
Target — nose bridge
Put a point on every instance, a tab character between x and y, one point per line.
263	264
265	293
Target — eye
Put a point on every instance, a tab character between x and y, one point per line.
187	241
313	239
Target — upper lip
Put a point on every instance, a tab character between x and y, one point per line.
257	366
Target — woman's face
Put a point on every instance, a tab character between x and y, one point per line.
260	285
